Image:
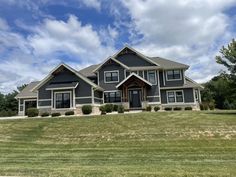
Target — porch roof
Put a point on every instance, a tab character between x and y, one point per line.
62	86
136	76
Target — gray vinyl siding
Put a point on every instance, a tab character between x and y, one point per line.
171	83
98	94
44	103
133	60
188	95
110	67
153	99
83	89
83	100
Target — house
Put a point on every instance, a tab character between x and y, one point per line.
128	78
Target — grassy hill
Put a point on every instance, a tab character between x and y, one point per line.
161	144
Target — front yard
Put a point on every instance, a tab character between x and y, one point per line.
161	144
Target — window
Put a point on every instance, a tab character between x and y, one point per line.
62	100
112	97
152	77
173	75
111	76
175	96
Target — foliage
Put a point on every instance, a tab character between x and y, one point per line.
121	109
115	107
32	112
211	106
149	108
45	114
177	109
189	108
168	109
156	108
69	113
109	107
102	109
204	106
56	114
87	109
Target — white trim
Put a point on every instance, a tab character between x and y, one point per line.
180	87
52	97
154	96
180	70
163	75
174	96
80	105
98	78
124	73
83	97
133	74
54	94
200	99
22	97
44	107
62	88
44	99
138	53
49	76
154	74
110	58
154	102
97	98
175	104
74	97
92	95
194	96
111	71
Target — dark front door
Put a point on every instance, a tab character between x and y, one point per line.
30	104
135	98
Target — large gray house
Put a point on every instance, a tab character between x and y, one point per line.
128	78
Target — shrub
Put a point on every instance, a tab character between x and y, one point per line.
109	107
177	109
168	109
156	108
7	113
56	114
45	114
149	108
69	113
102	109
32	112
188	108
87	109
204	106
211	106
115	107
121	109
126	110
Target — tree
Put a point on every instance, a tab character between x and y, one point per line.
228	57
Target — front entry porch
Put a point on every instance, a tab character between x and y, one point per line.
134	91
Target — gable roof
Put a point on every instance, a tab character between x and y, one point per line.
137	52
49	76
135	75
168	64
26	92
88	71
110	58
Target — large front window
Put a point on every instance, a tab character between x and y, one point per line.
62	100
152	77
173	75
111	76
175	96
112	97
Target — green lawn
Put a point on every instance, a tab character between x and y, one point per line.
165	144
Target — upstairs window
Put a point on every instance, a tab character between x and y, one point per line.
112	97
152	77
111	76
173	75
175	96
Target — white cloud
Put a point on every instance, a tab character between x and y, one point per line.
3	24
29	58
186	31
96	4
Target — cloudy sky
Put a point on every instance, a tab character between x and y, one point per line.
35	36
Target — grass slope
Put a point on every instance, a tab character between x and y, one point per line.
161	144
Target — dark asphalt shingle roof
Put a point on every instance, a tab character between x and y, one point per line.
26	92
62	85
88	71
168	64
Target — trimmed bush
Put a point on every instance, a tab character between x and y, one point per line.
177	109
115	107
109	107
45	114
126	110
87	109
168	109
69	113
211	106
204	106
32	112
149	108
55	114
188	108
103	110
156	108
7	113
121	109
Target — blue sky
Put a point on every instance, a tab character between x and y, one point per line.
35	36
